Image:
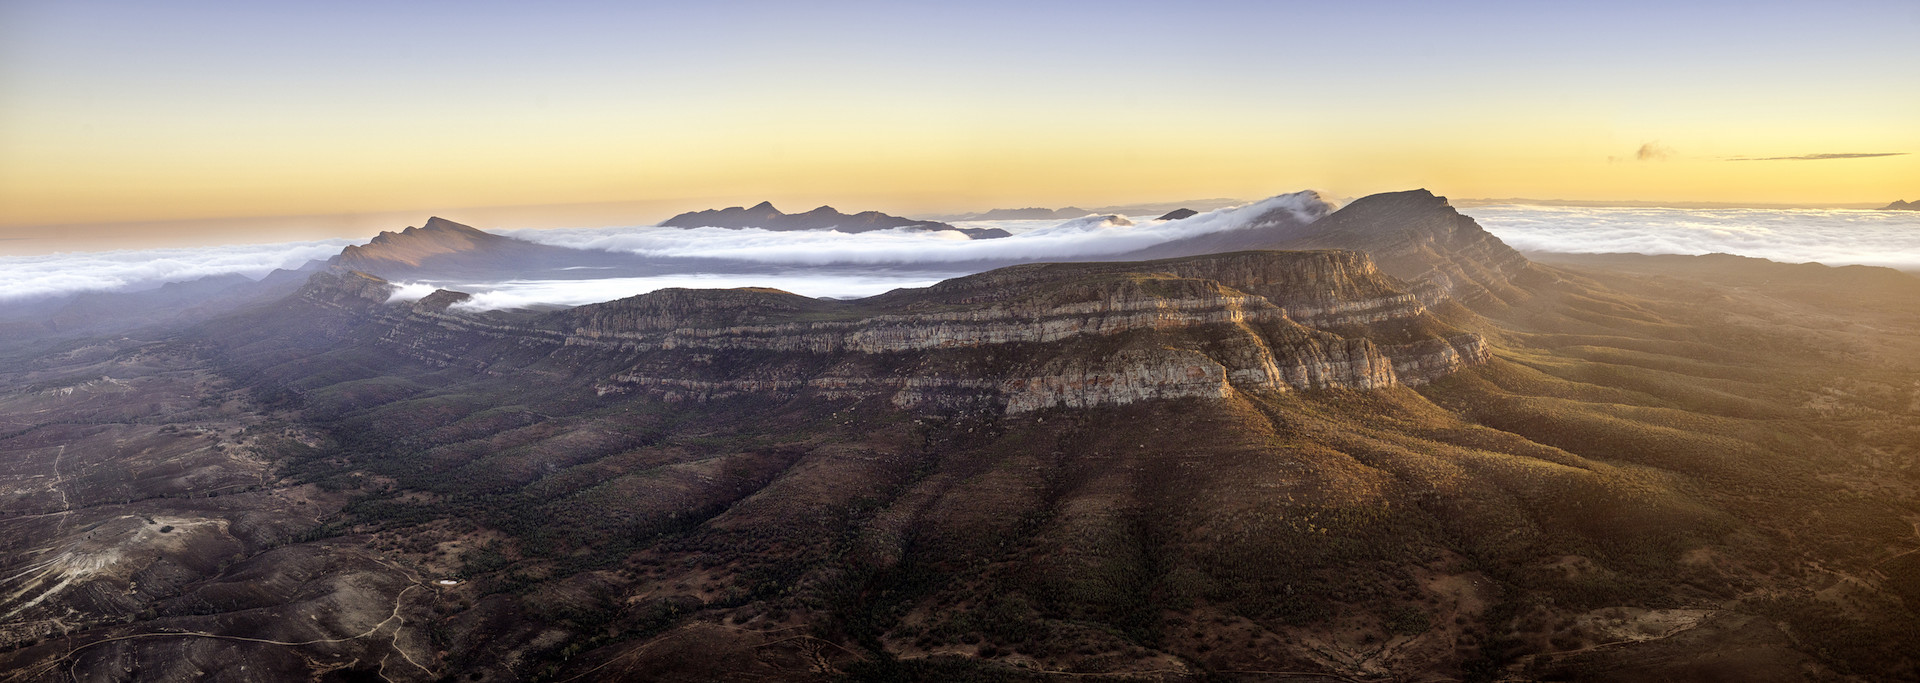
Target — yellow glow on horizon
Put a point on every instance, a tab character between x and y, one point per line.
169	111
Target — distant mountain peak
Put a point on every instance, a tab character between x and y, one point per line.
410	246
438	224
1040	213
765	217
1419	237
1902	205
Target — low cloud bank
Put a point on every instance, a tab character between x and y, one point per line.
854	265
1049	239
839	284
26	277
1830	236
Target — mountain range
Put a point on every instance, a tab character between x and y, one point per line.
1069	212
765	217
1365	444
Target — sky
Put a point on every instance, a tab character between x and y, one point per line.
153	124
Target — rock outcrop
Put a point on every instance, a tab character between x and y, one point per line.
1178	214
1015	339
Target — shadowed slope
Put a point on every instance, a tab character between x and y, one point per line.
1418	237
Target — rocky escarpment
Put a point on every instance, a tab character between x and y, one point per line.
1017	339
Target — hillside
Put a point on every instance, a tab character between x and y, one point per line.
1405	453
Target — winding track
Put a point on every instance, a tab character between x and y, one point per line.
398	600
66	505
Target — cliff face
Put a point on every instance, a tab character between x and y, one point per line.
1015	339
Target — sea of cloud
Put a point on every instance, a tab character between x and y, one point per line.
26	277
850	265
1048	239
836	283
1830	236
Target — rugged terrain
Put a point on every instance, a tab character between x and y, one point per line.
1404	453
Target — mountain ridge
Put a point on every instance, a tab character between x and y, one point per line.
1418	236
1042	213
441	249
412	246
764	216
1277	307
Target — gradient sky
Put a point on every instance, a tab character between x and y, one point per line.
155	111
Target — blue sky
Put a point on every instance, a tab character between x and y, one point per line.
150	111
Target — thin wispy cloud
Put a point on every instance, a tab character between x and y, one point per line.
1649	151
1822	157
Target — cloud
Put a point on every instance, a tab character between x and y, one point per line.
1820	157
1045	239
887	259
814	282
1832	237
26	277
1653	151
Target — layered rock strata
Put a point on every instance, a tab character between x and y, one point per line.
1016	339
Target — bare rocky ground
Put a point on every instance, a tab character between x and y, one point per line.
1663	471
139	506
